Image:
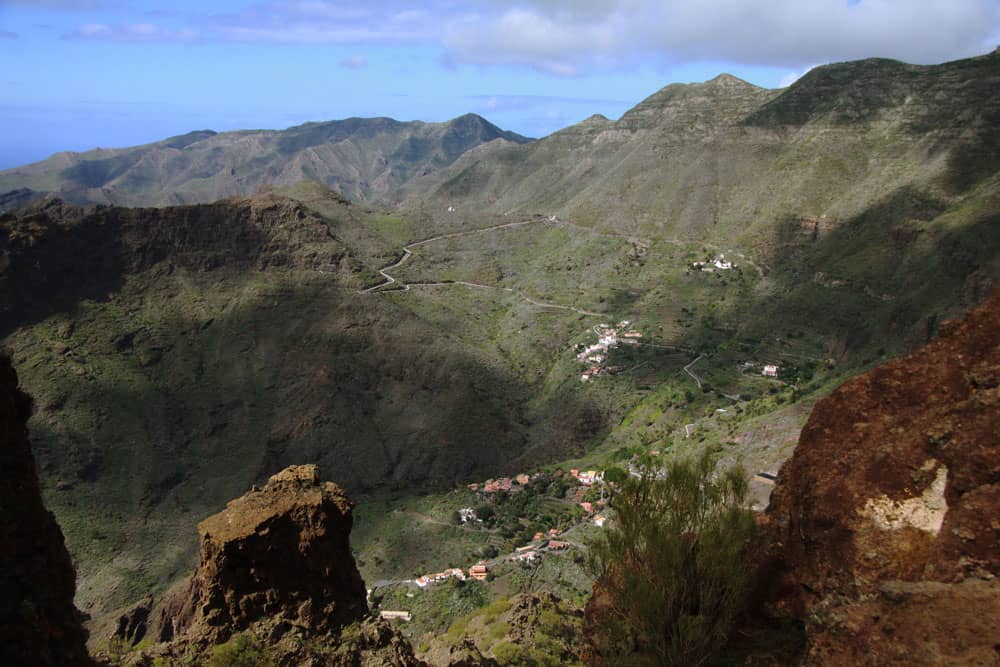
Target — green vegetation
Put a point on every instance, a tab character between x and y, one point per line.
170	375
523	630
673	570
240	651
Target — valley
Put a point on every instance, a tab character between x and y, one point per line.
416	335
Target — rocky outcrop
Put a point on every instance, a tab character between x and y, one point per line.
275	566
281	551
886	541
38	623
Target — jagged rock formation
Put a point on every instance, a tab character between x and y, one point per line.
277	564
38	623
885	529
281	551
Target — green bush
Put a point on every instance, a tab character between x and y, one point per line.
507	653
673	566
240	651
499	630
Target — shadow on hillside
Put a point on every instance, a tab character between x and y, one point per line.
58	256
158	419
886	276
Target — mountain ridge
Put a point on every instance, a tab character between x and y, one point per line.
364	158
695	159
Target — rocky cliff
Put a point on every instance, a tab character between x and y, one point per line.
275	565
53	254
38	623
884	523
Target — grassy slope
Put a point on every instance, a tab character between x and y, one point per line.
233	374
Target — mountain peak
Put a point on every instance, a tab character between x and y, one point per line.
729	81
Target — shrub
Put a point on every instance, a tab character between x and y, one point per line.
240	651
507	653
499	630
673	568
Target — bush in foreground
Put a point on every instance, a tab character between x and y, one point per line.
673	570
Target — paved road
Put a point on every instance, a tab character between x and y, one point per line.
687	369
408	252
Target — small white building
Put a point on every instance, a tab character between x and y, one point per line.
770	370
721	263
398	615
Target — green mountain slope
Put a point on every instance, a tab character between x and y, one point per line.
180	354
363	158
725	160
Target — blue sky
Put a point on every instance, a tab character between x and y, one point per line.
78	74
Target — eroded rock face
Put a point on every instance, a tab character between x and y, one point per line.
276	568
282	552
886	520
38	623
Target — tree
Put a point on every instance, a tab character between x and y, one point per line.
673	568
615	475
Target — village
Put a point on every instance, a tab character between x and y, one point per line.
595	356
539	545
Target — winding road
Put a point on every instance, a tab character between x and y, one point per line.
687	369
408	252
389	279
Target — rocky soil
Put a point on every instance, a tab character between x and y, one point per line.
886	541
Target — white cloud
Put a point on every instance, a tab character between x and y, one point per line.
568	36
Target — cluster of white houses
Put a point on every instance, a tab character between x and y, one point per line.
586	477
709	265
456	572
608	336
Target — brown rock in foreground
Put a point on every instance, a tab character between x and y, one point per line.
283	552
275	567
38	623
886	520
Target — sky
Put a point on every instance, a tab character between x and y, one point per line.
80	74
